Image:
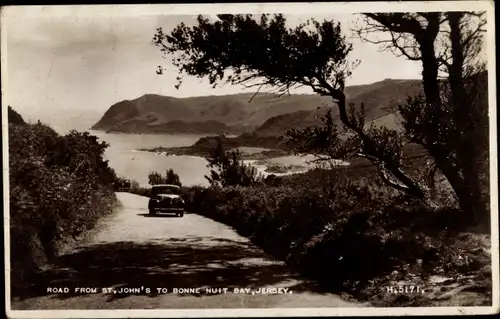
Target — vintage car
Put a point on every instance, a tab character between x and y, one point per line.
166	199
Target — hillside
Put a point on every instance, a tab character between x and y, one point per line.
14	117
267	114
379	99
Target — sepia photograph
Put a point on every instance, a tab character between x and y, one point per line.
243	160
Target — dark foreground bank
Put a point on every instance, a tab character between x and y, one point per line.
59	188
354	236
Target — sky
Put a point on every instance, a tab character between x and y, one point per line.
76	61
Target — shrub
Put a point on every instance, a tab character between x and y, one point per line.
122	184
59	187
170	177
228	168
344	232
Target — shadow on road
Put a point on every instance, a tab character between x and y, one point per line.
158	215
172	263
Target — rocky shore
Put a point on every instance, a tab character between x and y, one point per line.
258	154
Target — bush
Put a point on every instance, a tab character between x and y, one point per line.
228	168
345	233
122	185
170	177
59	187
155	178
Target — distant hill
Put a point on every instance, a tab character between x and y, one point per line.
379	99
266	114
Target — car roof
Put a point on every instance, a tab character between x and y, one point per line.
166	185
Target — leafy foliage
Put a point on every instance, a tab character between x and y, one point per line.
59	187
228	169
397	233
170	177
313	54
451	119
242	49
259	49
122	184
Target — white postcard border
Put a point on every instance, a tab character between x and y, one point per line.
259	8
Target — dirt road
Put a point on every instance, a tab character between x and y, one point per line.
131	249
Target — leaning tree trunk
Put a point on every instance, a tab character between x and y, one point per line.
475	200
467	119
468	189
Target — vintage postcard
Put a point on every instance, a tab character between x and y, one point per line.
249	160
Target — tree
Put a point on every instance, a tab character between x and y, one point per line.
83	155
122	184
228	169
241	49
172	178
451	119
155	178
266	52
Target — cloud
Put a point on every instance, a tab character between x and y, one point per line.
81	59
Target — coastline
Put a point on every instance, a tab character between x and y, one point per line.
247	153
266	161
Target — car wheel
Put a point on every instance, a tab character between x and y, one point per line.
181	214
152	212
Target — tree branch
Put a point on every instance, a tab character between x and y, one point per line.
255	94
383	173
411	26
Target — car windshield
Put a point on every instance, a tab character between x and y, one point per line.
168	190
